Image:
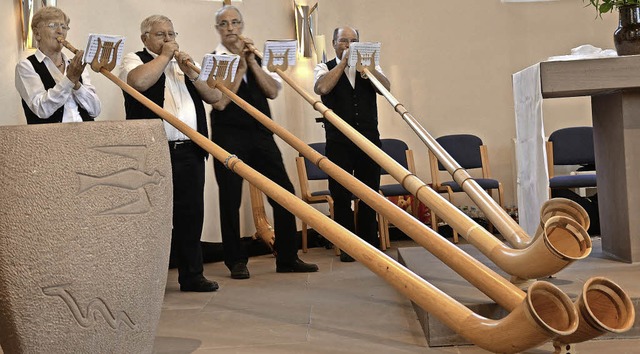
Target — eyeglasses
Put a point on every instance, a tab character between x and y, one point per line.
163	35
347	40
233	23
54	26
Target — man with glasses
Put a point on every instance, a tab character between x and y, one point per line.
353	98
237	132
160	72
54	88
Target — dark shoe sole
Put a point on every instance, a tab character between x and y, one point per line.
305	269
207	288
240	276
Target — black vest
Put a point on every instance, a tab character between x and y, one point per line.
136	110
356	106
236	117
48	82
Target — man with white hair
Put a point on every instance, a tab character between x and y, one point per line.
160	72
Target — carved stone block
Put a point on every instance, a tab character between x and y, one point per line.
85	230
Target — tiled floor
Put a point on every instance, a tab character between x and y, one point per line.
344	308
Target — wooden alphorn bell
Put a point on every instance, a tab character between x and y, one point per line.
616	302
603	306
545	312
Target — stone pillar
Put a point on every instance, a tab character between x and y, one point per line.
85	230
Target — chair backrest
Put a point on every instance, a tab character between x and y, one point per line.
397	150
573	146
463	148
313	172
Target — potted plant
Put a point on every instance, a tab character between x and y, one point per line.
627	36
603	6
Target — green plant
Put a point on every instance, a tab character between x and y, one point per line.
603	6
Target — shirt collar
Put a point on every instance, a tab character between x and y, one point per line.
221	49
41	56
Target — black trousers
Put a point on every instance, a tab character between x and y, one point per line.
351	159
257	149
187	166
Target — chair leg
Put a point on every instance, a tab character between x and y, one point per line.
381	232
386	233
305	247
434	221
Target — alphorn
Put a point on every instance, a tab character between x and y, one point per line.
603	306
615	308
563	240
264	231
507	226
545	312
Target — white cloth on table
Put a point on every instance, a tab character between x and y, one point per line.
531	159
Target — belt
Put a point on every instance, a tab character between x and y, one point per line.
177	144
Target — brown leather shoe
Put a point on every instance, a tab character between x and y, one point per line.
297	266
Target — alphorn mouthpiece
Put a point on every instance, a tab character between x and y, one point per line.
251	47
67	45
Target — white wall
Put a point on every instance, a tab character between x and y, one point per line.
450	63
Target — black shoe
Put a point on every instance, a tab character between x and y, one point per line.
201	285
298	266
345	257
239	271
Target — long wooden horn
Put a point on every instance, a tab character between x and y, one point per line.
508	227
543	313
563	241
264	230
492	285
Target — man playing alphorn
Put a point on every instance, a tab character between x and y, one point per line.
353	98
160	72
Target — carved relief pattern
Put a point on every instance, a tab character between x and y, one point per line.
133	179
87	316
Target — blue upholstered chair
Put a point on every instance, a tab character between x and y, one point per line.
470	153
571	146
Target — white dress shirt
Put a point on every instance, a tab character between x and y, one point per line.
321	69
45	102
177	99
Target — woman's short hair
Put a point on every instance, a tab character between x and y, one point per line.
46	14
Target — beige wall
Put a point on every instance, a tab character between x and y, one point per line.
450	63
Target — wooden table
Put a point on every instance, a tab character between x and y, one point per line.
614	86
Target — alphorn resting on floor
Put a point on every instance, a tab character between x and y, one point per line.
562	240
544	312
618	313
